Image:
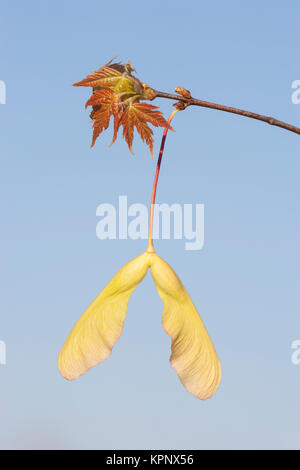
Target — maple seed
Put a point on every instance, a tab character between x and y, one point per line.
94	335
183	92
117	93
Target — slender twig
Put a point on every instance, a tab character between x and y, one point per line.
206	104
161	151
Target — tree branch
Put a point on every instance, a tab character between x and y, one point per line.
206	104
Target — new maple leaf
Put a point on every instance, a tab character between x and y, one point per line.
137	115
117	93
106	76
105	104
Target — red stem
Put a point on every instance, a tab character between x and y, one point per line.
161	151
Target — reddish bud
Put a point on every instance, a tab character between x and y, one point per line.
180	105
183	92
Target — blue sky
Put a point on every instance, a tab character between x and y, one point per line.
245	280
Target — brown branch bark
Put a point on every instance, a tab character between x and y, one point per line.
206	104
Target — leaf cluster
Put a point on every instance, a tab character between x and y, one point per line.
118	94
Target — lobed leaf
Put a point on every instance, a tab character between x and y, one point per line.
137	115
105	104
106	76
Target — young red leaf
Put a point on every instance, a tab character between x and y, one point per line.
105	104
137	115
106	76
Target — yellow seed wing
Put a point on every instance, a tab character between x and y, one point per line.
95	333
193	354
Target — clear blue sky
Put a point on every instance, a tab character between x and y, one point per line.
244	282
